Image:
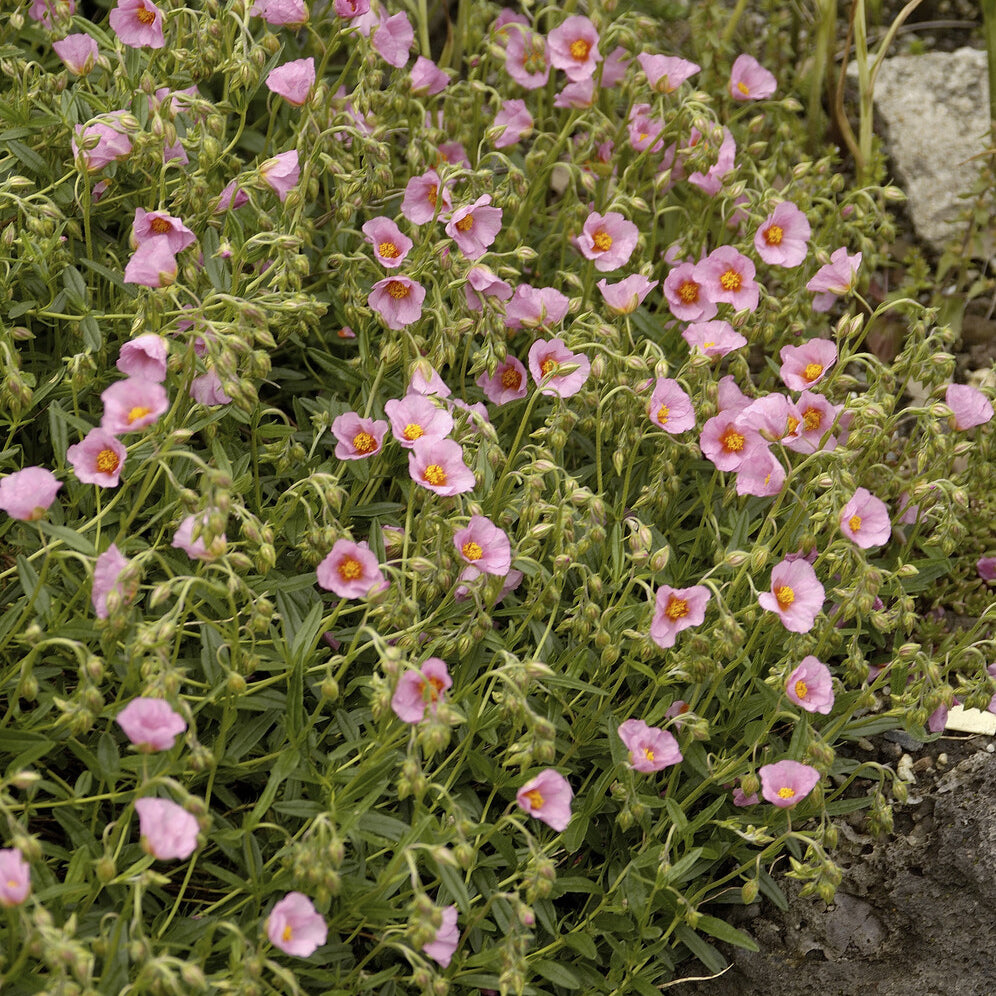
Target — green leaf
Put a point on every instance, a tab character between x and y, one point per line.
29	157
580	941
556	973
702	950
286	762
722	930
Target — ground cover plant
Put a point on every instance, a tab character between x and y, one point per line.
451	523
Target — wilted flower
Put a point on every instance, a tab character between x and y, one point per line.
292	13
865	520
47	10
295	926
232	196
749	80
196	549
437	465
526	59
796	595
665	73
548	798
508	383
608	239
426	380
427	79
111	132
138	23
416	417
580	94
398	300
969	405
644	129
357	437
512	122
152	264
440	949
536	307
281	173
624	297
132	404
810	686
151	724
106	578
144	356
484	546
420	689
670	407
97	458
787	782
783	237
805	365
78	52
207	390
167	830
292	81
15	877
351	570
573	47
481	283
676	609
835	278
393	39
474	227
352	8
26	494
711	182
650	748
390	244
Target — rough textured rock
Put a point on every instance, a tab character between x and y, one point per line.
914	915
935	108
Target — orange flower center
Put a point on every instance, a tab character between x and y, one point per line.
773	235
676	609
663	413
548	366
812	371
580	49
801	689
731	281
793	424
350	568
472	550
431	194
398	290
511	378
602	241
413	431
363	442
784	596
435	687
388	250
733	441
465	224
145	16
812	418
434	474
107	461
689	292
160	226
535	799
786	793
854	522
137	412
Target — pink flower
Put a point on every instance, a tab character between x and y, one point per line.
151	724
48	11
546	358
152	264
27	494
783	238
650	748
78	52
437	464
865	520
107	578
420	689
810	686
416	417
834	279
670	407
761	476
526	59
749	80
231	197
132	404
508	383
423	195
512	122
796	595
398	300
547	797
351	570
167	830
151	225
644	129
969	406
352	8
739	799
715	338
484	546
729	441
15	877
687	296
676	609
665	73
295	926
986	566
818	417
281	173
292	13
138	23
109	132
481	283
358	437
573	47
440	949
577	95
207	390
805	365
98	459
711	182
427	79
393	39
614	66
292	81
729	277
608	239
144	357
196	549
475	227
535	307
426	380
787	782
627	295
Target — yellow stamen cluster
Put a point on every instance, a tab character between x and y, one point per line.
602	241
579	49
388	250
413	431
398	290
472	550
350	569
138	412
784	596
465	224
731	281
434	474
107	461
677	608
733	441
363	442
773	235
812	371
511	378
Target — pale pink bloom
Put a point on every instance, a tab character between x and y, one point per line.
149	225
15	877
508	383
453	152
614	67
477	413
729	278
783	238
48	11
535	308
818	416
97	459
426	380
774	416
78	52
650	748
986	566
207	390
526	59
398	300
670	407
507	16
484	546
729	396
729	441
644	130
810	686
715	338
132	404
420	689
424	195
481	283
416	417
295	926
805	365
438	465
687	295
393	39
351	570
676	609
627	295
390	245
865	520
151	724
440	949
749	80
547	797
573	47
608	239
938	719
281	173
711	182
196	549
796	595
357	437
292	13
427	79
167	830
969	406
138	23
231	197
512	122
352	8
547	357
152	264
368	21
787	782
665	73
676	710
761	476
144	357
474	227
112	141
577	95
739	799
27	494
292	81
834	279
107	578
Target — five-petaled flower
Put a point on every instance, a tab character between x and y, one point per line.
787	782
670	407
573	47
132	404
865	520
796	595
97	459
138	23
783	237
547	797
438	465
474	227
295	926
390	244
650	748
416	416
351	570
806	365
26	494
608	239
167	830
969	406
151	724
547	360
420	689
749	80
676	609
398	300
484	546
357	437
810	686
